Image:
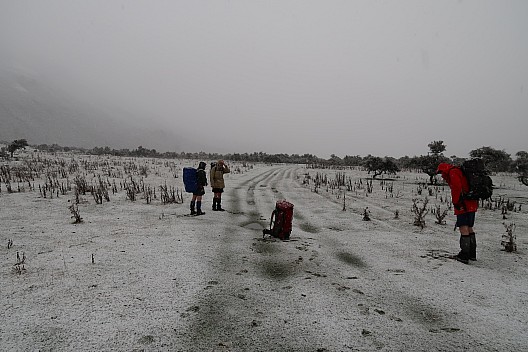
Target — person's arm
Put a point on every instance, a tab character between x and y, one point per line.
202	178
226	169
456	189
211	175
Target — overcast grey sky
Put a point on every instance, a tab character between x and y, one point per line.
322	77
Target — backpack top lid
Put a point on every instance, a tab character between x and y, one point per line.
473	166
479	181
283	204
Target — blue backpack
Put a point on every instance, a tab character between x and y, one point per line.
190	180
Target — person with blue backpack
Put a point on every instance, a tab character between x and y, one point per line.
201	181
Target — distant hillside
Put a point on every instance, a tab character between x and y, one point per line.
31	109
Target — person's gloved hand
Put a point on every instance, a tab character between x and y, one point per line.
459	206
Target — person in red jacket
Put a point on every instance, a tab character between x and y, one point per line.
465	210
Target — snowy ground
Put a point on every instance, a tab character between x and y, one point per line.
164	281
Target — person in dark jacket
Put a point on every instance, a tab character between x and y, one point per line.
465	210
217	183
201	178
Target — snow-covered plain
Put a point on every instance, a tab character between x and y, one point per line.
164	281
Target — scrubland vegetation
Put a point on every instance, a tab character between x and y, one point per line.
99	254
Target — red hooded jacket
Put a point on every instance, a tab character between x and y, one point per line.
459	185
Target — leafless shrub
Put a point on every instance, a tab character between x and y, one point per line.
143	170
77	196
131	193
389	188
396	214
73	167
366	214
486	204
369	186
132	188
318	181
420	212
5	172
179	196
359	184
167	194
81	185
8	186
97	195
114	187
19	265
148	194
63	189
504	212
100	192
74	209
340	179
130	168
440	215
509	240
9	243
48	189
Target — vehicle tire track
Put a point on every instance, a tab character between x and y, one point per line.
309	293
342	240
248	272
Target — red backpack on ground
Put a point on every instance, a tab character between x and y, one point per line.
281	221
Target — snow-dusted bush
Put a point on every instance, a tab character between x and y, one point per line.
509	240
